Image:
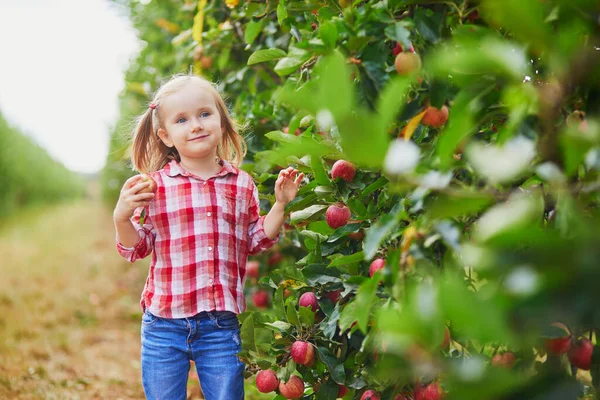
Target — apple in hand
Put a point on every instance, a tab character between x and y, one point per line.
303	352
151	188
337	215
343	169
293	388
266	381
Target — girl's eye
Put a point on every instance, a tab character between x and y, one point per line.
180	120
204	114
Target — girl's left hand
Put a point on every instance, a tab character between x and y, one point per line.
286	186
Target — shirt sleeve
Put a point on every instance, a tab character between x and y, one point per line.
257	238
145	244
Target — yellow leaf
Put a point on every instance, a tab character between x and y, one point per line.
232	3
168	26
409	129
199	22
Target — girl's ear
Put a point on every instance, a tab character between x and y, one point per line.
164	136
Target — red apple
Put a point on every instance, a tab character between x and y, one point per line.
274	259
435	117
433	391
376	265
337	215
145	178
293	388
309	299
260	299
559	345
266	381
580	355
399	49
334	296
407	63
287	130
370	395
506	360
253	269
343	169
342	390
303	352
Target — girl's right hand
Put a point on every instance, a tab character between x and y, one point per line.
130	198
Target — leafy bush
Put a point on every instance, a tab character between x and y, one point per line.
476	184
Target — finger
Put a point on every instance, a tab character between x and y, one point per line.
299	179
131	181
143	197
137	187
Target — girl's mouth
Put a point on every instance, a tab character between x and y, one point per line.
198	137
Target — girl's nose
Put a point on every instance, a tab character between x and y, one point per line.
196	124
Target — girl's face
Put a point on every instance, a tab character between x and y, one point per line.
192	123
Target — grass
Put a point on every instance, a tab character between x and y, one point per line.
69	313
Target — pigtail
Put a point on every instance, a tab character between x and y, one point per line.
148	152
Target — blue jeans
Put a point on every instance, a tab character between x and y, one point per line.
211	339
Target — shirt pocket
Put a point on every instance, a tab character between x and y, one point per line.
228	207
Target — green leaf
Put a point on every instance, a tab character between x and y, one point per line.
461	125
458	204
307	316
350	259
381	229
429	26
319	172
307	213
366	296
247	333
327	391
281	137
253	29
328	33
595	368
291	313
279	325
282	13
392	100
378	184
265	55
334	365
294	59
398	33
278	302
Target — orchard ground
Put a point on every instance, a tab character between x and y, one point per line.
69	313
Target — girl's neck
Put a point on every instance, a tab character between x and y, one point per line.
204	168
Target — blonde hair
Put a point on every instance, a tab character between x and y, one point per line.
149	153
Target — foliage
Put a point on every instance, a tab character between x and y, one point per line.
488	223
29	175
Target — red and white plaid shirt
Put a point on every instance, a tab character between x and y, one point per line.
200	233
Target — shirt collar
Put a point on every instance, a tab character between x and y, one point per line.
173	168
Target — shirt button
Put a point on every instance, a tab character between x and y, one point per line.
204	183
210	281
209	213
209	248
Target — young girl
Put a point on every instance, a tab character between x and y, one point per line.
200	225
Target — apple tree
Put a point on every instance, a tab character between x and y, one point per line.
445	242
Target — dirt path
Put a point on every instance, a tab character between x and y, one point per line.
69	314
